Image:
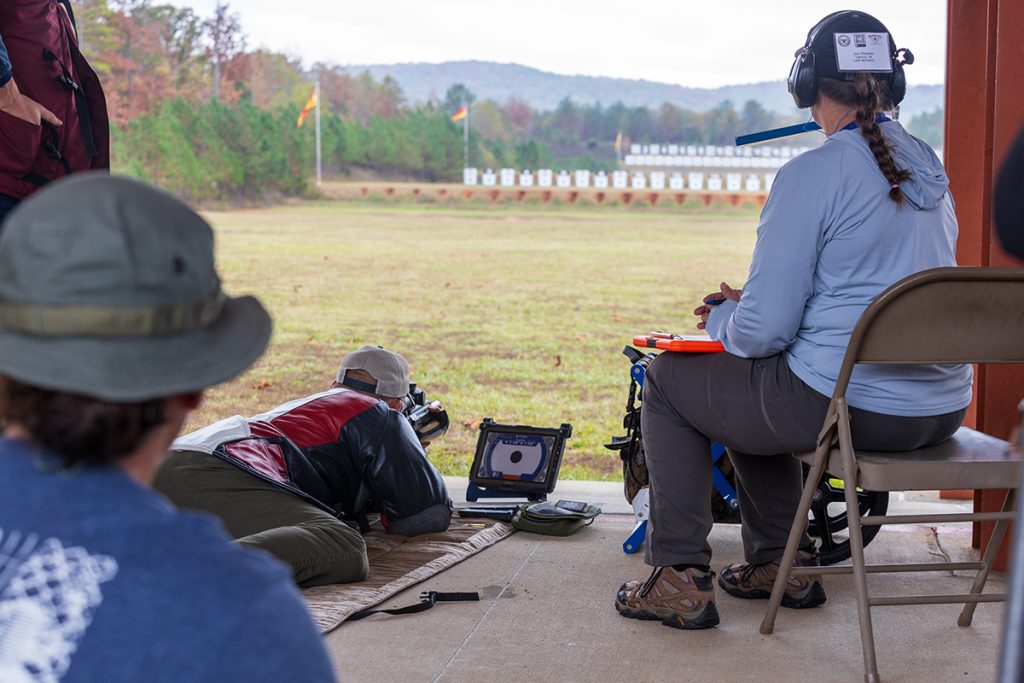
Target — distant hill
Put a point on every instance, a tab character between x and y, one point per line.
544	90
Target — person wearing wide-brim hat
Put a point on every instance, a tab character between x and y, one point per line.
112	323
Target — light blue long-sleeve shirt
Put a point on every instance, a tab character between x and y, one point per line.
829	241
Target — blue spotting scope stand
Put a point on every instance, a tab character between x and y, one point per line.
636	538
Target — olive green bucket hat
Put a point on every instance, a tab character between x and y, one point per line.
108	289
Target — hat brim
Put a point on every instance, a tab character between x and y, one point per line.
132	369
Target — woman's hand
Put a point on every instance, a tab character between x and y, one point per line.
25	108
704	310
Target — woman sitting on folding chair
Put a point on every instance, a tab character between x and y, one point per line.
844	221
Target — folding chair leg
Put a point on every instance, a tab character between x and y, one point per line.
867	636
994	541
797	530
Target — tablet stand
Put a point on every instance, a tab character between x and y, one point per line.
475	493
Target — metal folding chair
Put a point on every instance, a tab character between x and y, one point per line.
943	315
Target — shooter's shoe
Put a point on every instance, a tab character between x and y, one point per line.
754	581
683	599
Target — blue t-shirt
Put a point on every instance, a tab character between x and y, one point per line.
101	579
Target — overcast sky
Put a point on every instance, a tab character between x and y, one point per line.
705	44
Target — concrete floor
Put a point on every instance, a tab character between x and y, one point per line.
546	613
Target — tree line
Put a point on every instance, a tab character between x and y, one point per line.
196	111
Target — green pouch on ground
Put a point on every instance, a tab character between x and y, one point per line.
555	519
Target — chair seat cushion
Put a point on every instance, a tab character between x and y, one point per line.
968	460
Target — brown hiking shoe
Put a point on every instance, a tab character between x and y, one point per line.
683	599
755	581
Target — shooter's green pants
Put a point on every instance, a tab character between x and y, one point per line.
320	548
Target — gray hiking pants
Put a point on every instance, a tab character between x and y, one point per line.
762	413
320	548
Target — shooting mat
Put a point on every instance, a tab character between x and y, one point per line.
397	562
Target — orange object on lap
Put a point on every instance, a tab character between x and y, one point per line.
678	343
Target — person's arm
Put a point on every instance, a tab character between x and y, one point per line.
13	102
410	492
789	237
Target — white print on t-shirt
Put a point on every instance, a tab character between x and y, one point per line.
47	597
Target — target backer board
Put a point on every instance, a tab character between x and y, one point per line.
518	459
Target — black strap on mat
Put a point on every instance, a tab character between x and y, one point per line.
427	600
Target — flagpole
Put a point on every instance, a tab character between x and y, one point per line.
465	139
319	168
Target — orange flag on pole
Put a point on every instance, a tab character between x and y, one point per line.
308	108
460	114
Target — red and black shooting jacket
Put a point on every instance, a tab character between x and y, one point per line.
340	450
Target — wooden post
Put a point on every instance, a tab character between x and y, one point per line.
984	111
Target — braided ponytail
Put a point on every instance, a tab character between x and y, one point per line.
869	96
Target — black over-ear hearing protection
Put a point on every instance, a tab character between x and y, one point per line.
804	74
802	81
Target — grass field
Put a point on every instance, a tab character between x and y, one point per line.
516	313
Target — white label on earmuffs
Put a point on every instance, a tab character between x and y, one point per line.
863	52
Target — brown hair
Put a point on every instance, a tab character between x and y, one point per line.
81	430
868	95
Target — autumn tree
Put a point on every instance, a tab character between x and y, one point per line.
271	79
372	99
337	88
489	122
95	33
181	36
224	41
518	114
139	73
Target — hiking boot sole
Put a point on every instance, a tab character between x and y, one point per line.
706	618
815	595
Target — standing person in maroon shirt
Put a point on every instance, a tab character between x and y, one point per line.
53	115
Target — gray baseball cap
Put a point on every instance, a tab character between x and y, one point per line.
108	289
387	367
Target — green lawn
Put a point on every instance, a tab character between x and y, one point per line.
518	312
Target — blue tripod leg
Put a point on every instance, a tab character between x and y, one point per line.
636	538
641	512
722	485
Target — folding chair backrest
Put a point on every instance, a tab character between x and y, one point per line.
942	315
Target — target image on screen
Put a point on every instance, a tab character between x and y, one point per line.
519	458
516	456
